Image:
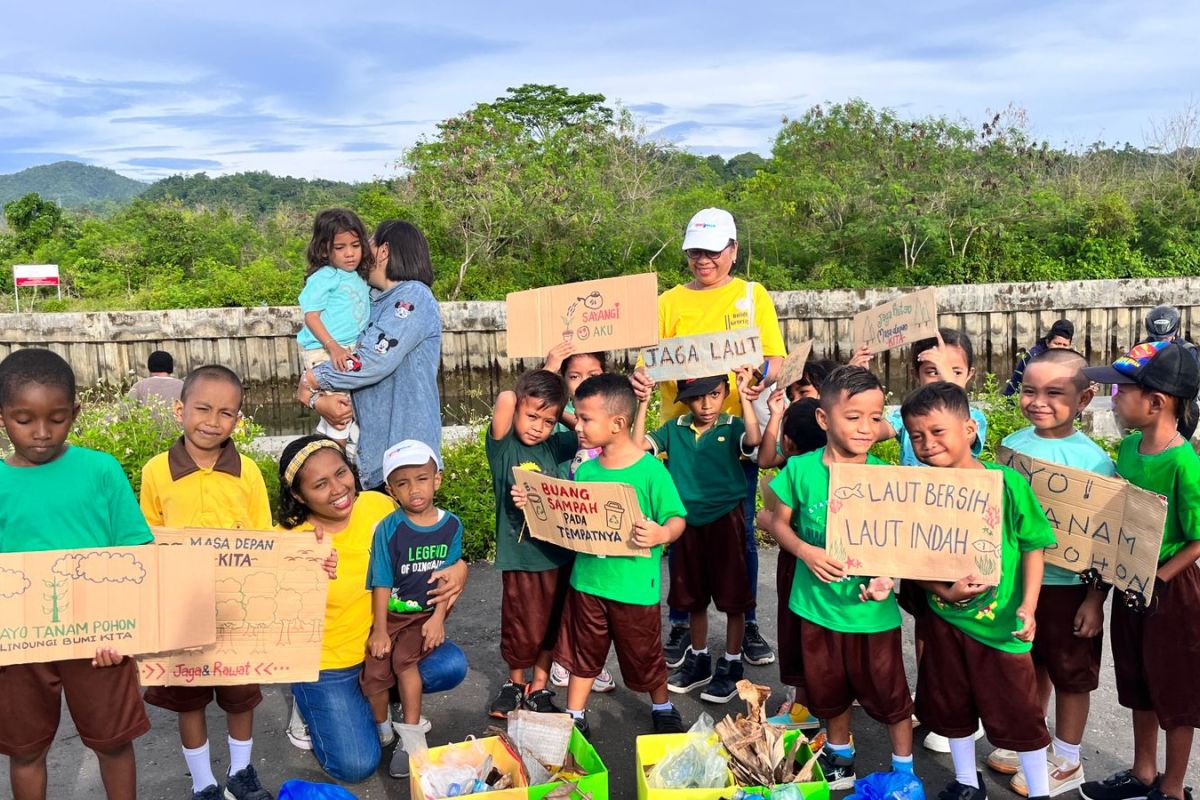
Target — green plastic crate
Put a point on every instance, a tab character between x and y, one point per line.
596	782
816	789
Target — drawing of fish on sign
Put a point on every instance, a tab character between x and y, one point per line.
848	492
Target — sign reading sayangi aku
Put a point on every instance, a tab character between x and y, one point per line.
903	321
596	518
704	355
923	524
605	314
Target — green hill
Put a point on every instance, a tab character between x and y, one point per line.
253	193
71	185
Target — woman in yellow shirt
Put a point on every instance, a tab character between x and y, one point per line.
319	491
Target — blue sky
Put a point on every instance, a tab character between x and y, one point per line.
339	90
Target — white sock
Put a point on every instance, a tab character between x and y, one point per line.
1067	752
575	714
703	651
239	754
383	727
200	765
1037	774
732	656
962	751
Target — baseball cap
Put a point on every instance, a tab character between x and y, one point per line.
1160	366
698	387
710	229
1163	322
409	453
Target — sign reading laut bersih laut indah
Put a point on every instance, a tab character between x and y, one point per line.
269	605
923	524
704	355
596	518
605	314
903	321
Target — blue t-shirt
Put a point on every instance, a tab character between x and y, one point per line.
403	554
1077	451
344	300
908	458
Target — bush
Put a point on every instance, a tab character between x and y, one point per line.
467	491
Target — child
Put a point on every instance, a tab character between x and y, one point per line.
815	373
1154	652
534	573
335	300
976	662
57	496
1070	614
409	545
615	600
704	450
849	628
203	482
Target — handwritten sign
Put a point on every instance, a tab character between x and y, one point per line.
925	524
793	366
701	356
269	606
63	604
586	517
903	321
1102	524
607	314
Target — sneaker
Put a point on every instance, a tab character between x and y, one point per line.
604	682
1064	777
960	791
839	770
1157	794
208	793
668	721
723	686
695	672
510	697
581	725
387	734
755	650
1121	786
542	701
244	785
559	676
1004	761
297	731
940	744
678	643
398	719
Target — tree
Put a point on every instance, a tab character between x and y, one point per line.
544	110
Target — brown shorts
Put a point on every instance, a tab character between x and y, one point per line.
840	668
379	674
1155	651
912	598
103	701
231	699
531	608
708	563
788	647
961	681
591	624
1072	662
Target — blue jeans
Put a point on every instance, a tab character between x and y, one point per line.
344	738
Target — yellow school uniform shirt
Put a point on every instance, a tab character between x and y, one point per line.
348	614
178	493
737	304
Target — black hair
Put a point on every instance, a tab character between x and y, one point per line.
328	224
408	251
544	386
601	356
210	372
1067	358
817	370
293	511
34	365
160	361
800	425
937	396
849	379
952	338
1186	412
615	390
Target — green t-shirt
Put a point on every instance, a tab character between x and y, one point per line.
515	548
707	468
1173	474
630	579
991	618
80	499
803	486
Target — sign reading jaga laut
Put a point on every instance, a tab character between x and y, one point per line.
596	518
606	314
701	356
903	321
924	524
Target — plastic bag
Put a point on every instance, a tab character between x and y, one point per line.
697	765
888	786
305	790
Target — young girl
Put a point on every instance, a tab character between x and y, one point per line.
335	301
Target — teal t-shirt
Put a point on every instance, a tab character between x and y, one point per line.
1174	474
908	458
515	548
80	499
803	486
344	300
1077	451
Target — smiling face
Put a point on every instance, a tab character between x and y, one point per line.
942	438
852	424
37	419
209	414
534	420
1050	398
346	251
326	485
711	270
413	487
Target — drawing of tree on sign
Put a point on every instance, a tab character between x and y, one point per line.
258	599
230	617
308	584
13	583
289	605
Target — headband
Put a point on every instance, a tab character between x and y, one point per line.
303	454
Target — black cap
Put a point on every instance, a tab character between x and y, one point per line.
1159	366
698	387
160	361
1064	328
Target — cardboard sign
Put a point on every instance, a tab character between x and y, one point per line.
704	355
607	314
793	366
269	606
903	321
1102	524
924	524
770	501
586	517
62	604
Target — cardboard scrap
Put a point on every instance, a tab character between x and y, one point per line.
596	518
903	321
793	366
606	314
704	355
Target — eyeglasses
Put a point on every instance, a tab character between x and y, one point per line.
696	254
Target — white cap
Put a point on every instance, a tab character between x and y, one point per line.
409	453
711	229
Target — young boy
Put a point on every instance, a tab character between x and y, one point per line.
1154	652
533	573
704	450
410	544
849	627
1070	614
57	496
615	600
976	662
204	482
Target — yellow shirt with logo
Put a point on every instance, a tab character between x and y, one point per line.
177	493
